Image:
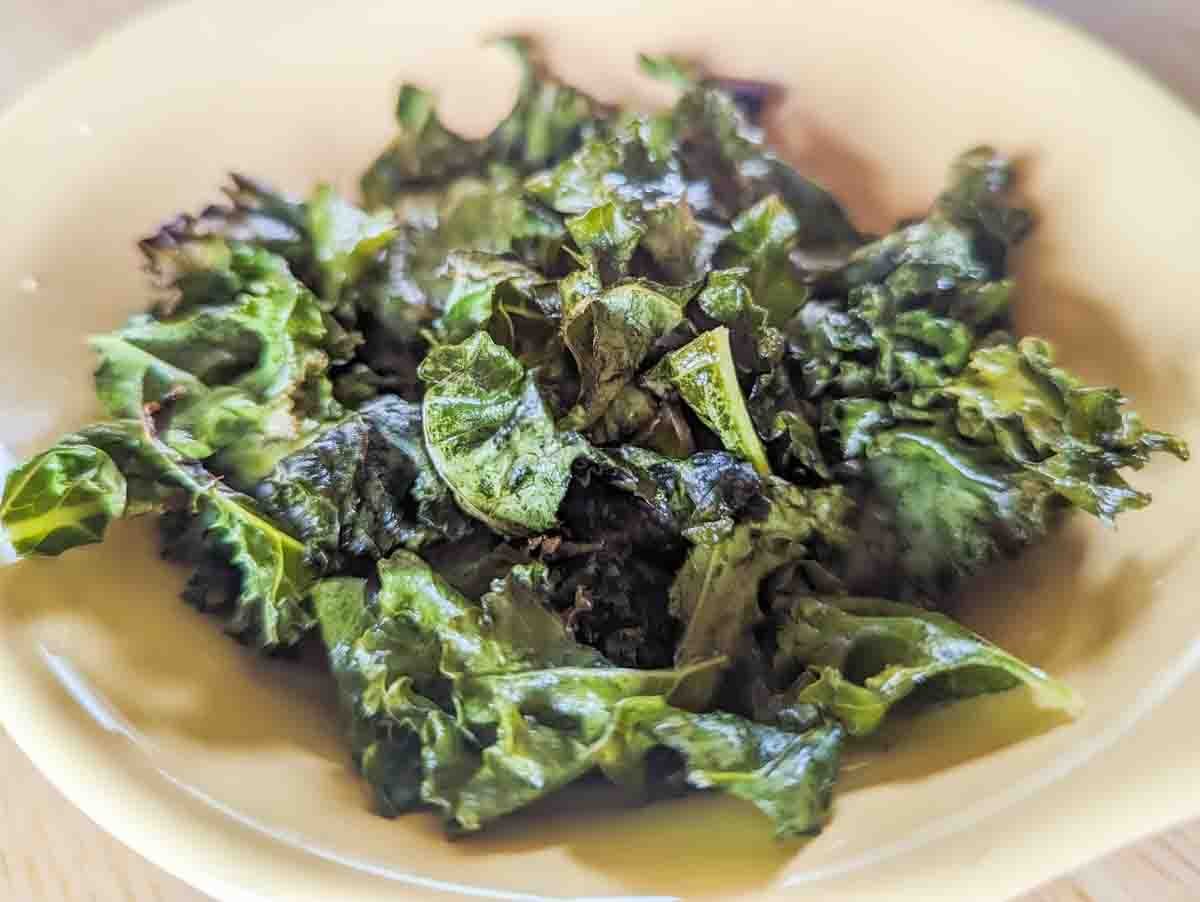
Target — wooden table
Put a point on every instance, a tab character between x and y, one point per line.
49	852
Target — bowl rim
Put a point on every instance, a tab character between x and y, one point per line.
224	852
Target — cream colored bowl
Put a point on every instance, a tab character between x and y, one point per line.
229	771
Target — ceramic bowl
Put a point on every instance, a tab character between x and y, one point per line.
230	771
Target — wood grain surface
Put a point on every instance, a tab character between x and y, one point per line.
49	852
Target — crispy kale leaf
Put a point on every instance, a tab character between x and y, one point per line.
703	374
1075	437
546	123
480	709
239	372
610	333
66	497
860	656
938	511
716	592
363	487
492	438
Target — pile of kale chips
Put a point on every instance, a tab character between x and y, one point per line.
605	443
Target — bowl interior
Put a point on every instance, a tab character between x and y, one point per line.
877	105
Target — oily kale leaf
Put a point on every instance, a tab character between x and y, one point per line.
67	495
492	437
547	122
610	333
703	374
716	592
788	776
1075	437
240	373
479	709
938	511
858	657
364	487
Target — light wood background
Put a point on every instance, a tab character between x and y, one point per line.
49	852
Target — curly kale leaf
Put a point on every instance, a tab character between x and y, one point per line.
858	657
960	247
788	776
547	122
703	374
716	592
1075	437
68	495
480	709
328	243
243	376
492	437
722	156
762	241
938	511
363	488
610	333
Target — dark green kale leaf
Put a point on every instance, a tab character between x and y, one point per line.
960	247
547	122
716	592
487	213
723	159
857	657
939	510
363	488
492	437
762	241
480	709
638	417
788	776
610	333
784	423
514	303
68	495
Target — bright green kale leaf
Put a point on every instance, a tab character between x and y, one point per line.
703	374
940	510
788	776
716	592
492	438
726	300
610	334
244	376
863	655
762	240
1075	437
67	496
480	709
345	240
61	498
501	295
